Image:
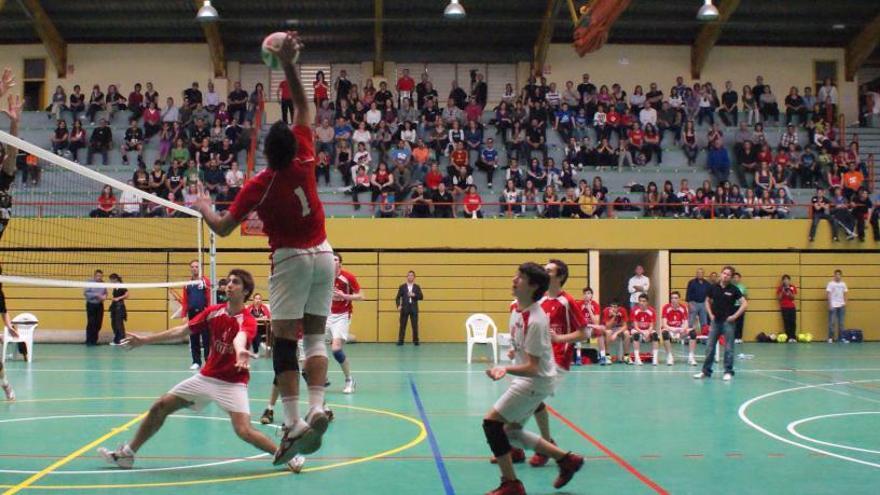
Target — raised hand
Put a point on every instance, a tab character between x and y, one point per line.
289	49
6	81
203	200
14	111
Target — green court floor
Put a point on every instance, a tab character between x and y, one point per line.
797	419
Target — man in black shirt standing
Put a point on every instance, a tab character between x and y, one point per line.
407	300
728	112
863	210
237	103
721	305
342	87
822	210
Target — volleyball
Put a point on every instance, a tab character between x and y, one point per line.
781	338
809	337
274	41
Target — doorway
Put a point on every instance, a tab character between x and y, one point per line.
616	268
34	84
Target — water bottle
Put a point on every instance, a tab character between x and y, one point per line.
577	355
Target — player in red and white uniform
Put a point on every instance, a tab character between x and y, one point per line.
614	321
223	380
644	319
534	370
593	315
285	198
675	326
346	289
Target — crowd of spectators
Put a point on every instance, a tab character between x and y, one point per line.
416	153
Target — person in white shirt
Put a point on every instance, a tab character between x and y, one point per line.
212	99
171	114
648	115
836	291
534	379
234	179
638	284
129	202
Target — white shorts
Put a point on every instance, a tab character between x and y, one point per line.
519	402
338	326
301	282
201	390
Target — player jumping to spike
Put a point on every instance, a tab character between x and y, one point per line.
285	198
222	380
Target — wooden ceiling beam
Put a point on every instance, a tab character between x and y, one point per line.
708	36
55	45
378	38
545	35
215	44
861	47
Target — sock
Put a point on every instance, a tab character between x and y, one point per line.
270	407
4	381
654	355
316	396
690	355
601	353
291	410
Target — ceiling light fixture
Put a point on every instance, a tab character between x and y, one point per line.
454	10
708	12
838	27
207	13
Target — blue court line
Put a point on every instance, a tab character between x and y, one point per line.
435	449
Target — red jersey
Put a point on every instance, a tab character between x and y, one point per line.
594	309
284	89
643	319
782	159
565	317
286	200
609	313
261	311
223	328
472	202
459	158
786	300
347	284
613	118
637	137
406	83
764	157
321	90
433	179
675	317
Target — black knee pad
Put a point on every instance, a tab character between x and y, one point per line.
284	356
541	407
655	337
496	437
636	337
666	336
692	334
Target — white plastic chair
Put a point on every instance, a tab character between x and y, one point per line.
25	326
481	330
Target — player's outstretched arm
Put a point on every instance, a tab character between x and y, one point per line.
222	223
14	114
134	340
287	53
576	336
243	355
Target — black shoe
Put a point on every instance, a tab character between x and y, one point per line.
415	343
268	417
400	343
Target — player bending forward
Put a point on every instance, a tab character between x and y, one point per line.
345	291
534	372
285	198
222	380
675	326
614	320
644	317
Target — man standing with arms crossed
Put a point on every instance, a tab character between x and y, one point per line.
285	198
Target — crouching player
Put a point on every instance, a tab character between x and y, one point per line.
644	318
614	319
534	372
222	380
675	326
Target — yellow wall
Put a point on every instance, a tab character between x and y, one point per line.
464	265
629	65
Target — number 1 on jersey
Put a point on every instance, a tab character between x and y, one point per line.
304	201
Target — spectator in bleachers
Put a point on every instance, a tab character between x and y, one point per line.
669	119
198	135
59	103
211	100
106	204
158	178
383	95
193	95
790	136
747	164
651	200
174	180
129	203
152	121
136	102
133	140
828	97
510	200
96	103
114	101
141	179
60	138
150	95
77	139
671	204
809	103
750	106
588	203
203	154
783	203
171	113
368	94
864	212
769	105
237	103
536	139
235	180
458	95
794	106
100	142
442	200
200	113
852	180
193	174
472	203
689	142
420	203
215	179
77	102
180	152
382	138
488	161
728	111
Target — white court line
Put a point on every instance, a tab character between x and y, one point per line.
833	391
128	471
628	369
745	406
794	424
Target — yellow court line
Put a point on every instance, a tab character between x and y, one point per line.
52	467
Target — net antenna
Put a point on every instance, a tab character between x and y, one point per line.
44	247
